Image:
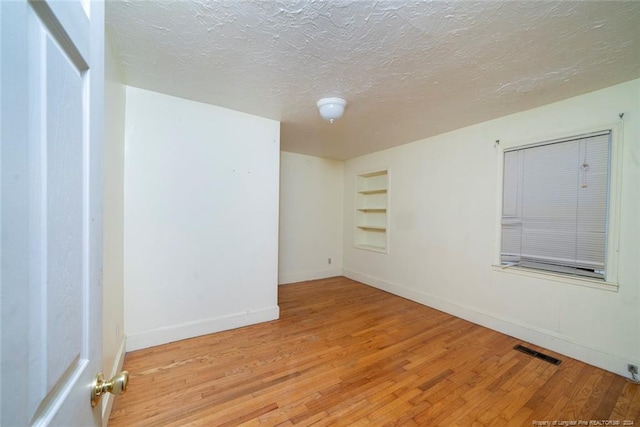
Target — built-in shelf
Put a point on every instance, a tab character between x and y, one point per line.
373	191
372	209
372	227
382	172
372	203
372	248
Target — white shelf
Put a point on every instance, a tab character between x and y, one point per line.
373	191
372	209
372	174
371	219
372	227
372	248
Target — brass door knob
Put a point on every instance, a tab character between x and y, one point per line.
116	385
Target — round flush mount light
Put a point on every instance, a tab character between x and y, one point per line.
331	108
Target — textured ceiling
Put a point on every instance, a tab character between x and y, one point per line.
408	69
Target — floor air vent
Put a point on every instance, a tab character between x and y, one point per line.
534	353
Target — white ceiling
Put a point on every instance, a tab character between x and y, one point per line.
409	69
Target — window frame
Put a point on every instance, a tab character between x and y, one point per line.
610	281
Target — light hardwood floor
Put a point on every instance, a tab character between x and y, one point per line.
347	354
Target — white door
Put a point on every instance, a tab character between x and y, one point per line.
51	215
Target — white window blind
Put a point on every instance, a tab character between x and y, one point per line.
554	212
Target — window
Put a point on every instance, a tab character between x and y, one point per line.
554	205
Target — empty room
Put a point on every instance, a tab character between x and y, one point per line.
299	212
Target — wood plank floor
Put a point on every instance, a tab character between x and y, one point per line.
346	354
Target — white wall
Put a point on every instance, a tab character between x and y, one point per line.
444	194
311	193
201	219
113	232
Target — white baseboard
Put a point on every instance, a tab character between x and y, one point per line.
107	403
183	331
537	336
310	275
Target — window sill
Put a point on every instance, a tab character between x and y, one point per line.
558	277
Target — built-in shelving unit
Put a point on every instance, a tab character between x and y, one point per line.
372	204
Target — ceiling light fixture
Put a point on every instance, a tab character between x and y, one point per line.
331	108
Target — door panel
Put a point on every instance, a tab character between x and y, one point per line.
51	156
65	314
